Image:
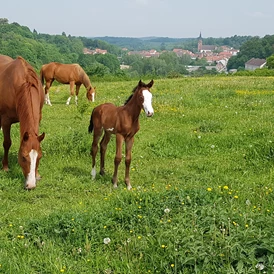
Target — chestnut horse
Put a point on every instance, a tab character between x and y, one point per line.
22	99
123	121
71	74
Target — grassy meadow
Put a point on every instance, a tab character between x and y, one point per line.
202	176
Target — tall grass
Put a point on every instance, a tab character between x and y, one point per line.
202	177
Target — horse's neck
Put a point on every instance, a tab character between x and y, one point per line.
133	109
29	118
86	81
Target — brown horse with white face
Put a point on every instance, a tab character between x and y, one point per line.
122	121
21	100
71	74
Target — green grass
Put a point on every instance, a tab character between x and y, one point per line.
202	176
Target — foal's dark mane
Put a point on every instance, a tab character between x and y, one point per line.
140	85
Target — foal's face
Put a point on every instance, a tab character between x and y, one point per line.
147	104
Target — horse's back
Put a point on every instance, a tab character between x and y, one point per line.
105	115
15	76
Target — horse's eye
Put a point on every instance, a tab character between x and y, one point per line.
24	159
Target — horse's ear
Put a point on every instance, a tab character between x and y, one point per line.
140	83
25	136
41	137
150	84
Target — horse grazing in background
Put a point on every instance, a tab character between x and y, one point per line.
71	74
123	121
21	100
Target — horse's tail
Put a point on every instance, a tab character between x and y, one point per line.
42	76
90	128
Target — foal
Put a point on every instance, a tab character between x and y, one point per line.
123	121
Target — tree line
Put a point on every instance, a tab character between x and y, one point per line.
38	49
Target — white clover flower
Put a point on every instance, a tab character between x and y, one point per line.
167	210
212	146
247	202
106	241
260	266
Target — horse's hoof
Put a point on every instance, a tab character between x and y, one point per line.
129	187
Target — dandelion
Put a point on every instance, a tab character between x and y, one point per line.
106	241
236	197
225	187
167	210
209	189
139	237
163	246
172	265
246	226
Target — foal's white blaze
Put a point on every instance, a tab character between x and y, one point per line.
31	180
147	105
93	96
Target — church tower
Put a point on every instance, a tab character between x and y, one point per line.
200	43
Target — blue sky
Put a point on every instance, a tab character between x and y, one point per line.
142	18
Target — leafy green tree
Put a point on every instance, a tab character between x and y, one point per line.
270	62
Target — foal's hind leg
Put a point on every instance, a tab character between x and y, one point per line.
94	148
103	148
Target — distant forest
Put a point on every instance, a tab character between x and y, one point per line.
38	49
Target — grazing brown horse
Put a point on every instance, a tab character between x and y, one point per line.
71	74
123	121
21	100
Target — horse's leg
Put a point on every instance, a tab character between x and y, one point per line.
103	148
47	87
6	145
118	158
129	144
71	84
94	148
77	92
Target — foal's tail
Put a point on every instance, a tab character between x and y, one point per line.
90	128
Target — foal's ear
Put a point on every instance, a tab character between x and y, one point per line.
150	84
41	137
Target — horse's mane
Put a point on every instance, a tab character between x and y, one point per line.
24	96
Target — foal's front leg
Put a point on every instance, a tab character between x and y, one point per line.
6	145
71	84
129	144
118	158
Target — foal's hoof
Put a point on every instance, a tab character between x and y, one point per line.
5	168
129	187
